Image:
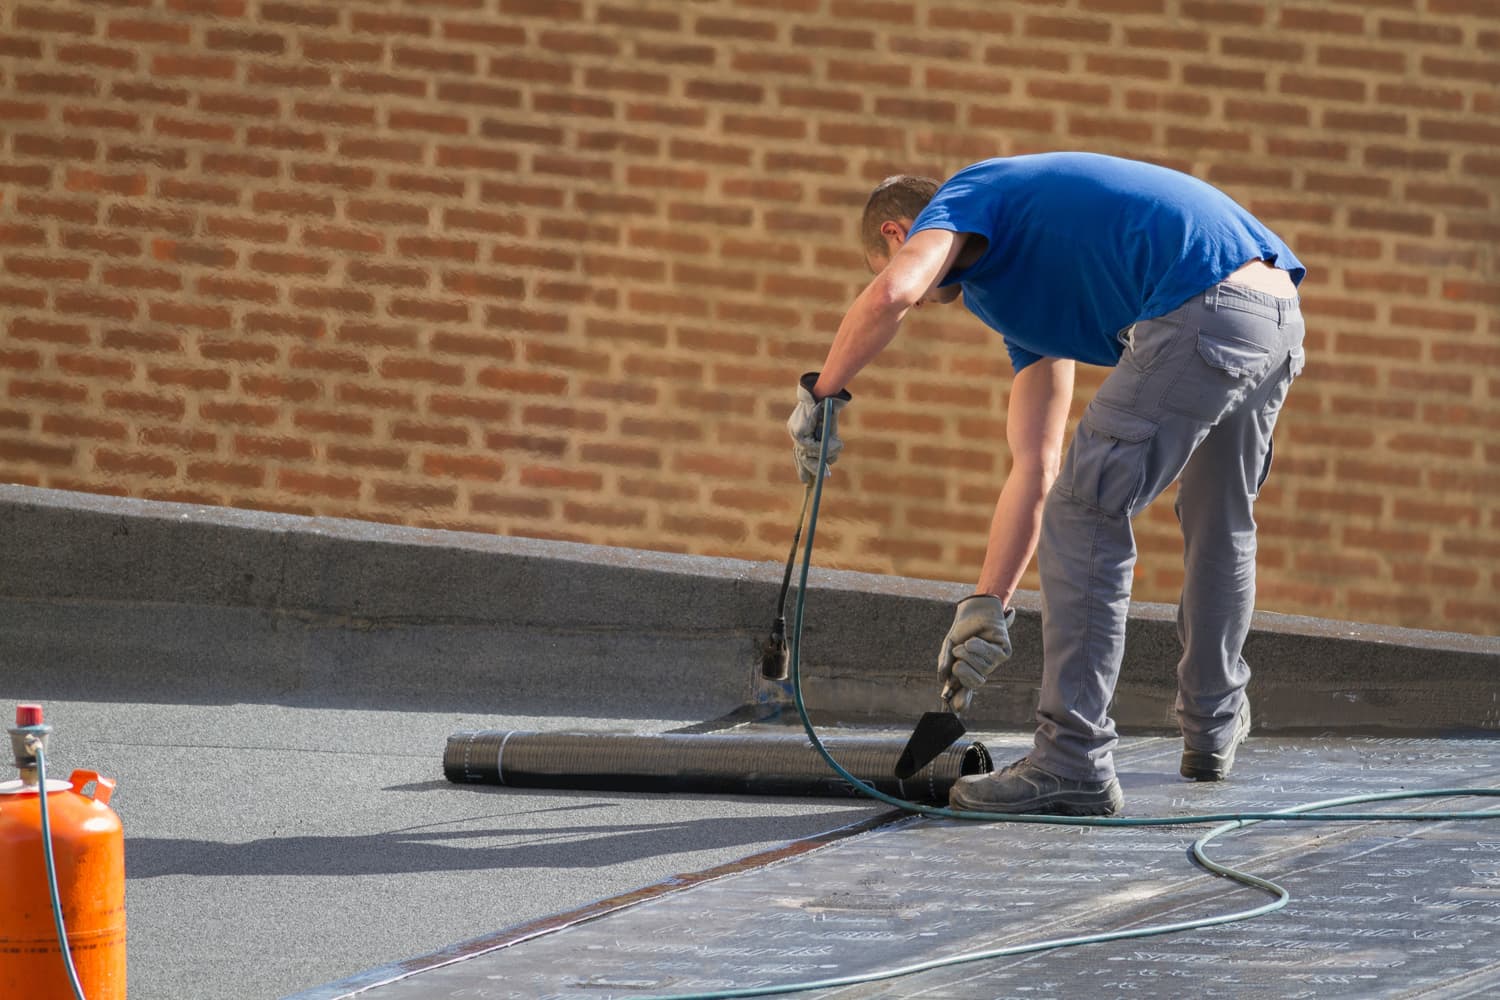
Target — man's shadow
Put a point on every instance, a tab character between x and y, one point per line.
455	846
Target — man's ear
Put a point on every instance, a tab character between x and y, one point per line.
893	233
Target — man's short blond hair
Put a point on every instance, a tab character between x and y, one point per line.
900	197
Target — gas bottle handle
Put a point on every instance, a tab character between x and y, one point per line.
103	787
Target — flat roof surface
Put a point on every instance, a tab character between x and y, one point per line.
277	850
1409	908
272	848
274	695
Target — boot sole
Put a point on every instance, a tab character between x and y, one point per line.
1044	806
1205	765
1200	765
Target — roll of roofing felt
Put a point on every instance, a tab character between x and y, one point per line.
737	763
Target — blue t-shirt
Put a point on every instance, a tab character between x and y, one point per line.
1083	245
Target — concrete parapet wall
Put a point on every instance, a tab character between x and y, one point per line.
295	607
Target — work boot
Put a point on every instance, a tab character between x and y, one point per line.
1024	787
1214	765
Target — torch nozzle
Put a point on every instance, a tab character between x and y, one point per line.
775	660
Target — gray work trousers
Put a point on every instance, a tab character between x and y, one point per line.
1195	396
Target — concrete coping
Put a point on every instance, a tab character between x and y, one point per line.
868	649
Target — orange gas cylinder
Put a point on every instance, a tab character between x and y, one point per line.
88	846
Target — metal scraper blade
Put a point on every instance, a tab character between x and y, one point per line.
935	732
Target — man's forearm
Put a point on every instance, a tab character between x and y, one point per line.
876	313
1035	421
869	326
1014	531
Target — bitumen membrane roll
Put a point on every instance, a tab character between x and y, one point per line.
737	763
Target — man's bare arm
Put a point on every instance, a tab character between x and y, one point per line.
1035	424
876	314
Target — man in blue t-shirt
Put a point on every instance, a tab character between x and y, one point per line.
1081	257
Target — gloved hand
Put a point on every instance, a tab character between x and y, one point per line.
806	428
976	644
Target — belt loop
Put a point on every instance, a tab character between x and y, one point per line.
1211	299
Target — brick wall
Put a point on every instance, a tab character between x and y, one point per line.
551	268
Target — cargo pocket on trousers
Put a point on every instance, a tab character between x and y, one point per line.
1108	461
1229	368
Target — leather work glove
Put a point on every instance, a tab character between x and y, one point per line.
976	644
805	425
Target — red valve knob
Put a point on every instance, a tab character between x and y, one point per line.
28	715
